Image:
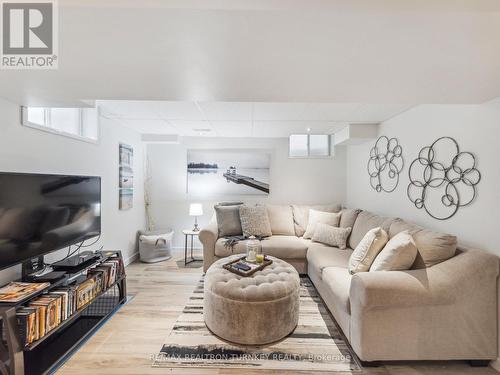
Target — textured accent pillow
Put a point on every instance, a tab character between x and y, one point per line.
315	217
332	236
368	248
397	255
254	221
228	220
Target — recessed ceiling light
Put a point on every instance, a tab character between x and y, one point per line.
308	130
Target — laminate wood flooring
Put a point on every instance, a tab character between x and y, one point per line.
125	344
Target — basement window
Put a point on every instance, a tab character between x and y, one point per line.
309	146
78	123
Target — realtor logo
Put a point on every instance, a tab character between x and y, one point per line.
29	35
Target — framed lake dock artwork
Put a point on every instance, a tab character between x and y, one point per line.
228	172
126	173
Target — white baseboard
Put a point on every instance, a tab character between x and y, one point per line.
131	259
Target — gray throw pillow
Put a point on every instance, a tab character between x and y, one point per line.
254	221
348	216
228	220
330	235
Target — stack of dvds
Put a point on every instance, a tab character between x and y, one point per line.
41	316
47	312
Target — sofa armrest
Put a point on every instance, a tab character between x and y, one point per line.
441	284
208	237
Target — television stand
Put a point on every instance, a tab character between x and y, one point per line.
47	353
48	277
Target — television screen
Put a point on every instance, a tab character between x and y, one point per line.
42	213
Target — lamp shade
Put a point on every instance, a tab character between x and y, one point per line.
195	209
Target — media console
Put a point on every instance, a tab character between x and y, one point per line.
48	352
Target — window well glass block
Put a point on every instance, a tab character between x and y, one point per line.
66	120
298	145
36	116
319	145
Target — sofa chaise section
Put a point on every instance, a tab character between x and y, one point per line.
444	312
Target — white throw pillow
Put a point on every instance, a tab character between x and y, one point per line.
332	236
315	217
398	254
364	254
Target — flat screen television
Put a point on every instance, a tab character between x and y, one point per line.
41	213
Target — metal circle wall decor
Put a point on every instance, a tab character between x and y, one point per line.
443	181
385	164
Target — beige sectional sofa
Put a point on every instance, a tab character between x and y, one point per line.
444	308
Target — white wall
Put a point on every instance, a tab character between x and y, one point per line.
291	180
24	149
476	128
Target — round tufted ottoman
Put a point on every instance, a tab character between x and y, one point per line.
253	310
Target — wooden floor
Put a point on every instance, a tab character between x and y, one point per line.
125	344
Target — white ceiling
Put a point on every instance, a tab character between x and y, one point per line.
242	119
314	51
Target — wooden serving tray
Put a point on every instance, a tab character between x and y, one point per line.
254	266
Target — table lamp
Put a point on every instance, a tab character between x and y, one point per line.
195	209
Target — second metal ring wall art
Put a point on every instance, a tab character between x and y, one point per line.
443	178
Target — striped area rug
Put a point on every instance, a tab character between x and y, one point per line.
315	345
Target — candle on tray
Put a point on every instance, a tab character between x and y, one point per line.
260	258
251	256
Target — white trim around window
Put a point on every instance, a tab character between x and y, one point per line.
48	129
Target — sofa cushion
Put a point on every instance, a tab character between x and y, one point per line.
348	217
365	253
364	222
320	256
255	221
397	255
281	219
222	251
338	280
301	215
316	217
228	220
433	247
284	247
330	235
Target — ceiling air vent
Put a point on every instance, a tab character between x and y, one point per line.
202	131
